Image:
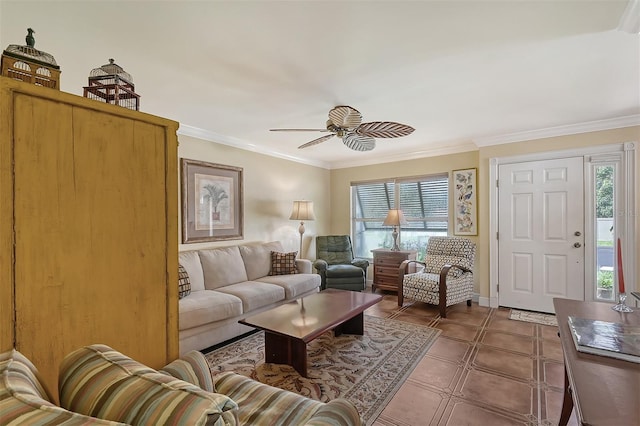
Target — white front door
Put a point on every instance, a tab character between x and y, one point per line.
540	233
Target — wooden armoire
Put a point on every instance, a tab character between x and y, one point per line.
88	228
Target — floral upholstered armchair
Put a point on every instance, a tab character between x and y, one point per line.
447	277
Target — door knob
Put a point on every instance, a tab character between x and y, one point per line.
577	245
577	233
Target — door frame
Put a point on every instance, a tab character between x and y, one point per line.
626	223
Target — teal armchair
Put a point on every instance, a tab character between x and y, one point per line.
337	266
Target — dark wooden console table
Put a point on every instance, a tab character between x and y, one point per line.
603	390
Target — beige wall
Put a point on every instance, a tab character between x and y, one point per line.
342	178
270	186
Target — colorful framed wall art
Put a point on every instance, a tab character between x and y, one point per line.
465	201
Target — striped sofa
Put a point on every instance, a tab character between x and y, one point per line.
100	382
260	404
100	386
24	401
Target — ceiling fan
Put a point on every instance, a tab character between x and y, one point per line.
346	122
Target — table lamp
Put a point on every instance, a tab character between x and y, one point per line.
395	218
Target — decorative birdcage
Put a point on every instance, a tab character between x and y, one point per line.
111	84
26	63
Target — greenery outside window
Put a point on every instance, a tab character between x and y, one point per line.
423	200
605	224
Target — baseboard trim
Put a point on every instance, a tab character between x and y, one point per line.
491	302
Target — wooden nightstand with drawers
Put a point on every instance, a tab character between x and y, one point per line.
385	267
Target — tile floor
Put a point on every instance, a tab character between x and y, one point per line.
484	369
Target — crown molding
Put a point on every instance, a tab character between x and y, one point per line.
630	19
214	137
571	129
207	135
592	126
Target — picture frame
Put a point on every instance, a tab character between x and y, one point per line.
212	202
464	188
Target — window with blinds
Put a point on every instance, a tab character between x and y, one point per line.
423	200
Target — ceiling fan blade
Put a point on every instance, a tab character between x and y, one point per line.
316	141
384	129
298	130
345	117
358	142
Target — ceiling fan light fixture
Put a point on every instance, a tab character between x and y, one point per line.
345	117
346	123
359	143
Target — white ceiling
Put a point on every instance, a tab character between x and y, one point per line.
462	73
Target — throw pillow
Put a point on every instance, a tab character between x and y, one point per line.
283	263
184	285
98	381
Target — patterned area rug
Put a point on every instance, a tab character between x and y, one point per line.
367	370
537	317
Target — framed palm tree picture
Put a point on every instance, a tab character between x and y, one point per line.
211	202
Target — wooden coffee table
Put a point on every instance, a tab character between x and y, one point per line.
289	327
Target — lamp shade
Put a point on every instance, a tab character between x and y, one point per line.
302	210
395	217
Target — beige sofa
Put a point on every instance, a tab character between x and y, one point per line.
231	283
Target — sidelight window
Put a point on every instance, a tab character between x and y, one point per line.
604	196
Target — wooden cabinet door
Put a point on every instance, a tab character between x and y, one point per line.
93	250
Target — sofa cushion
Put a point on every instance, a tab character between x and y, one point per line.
283	263
263	404
294	285
98	381
258	401
203	307
23	399
344	271
192	367
21	376
222	266
255	294
190	260
184	285
257	258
